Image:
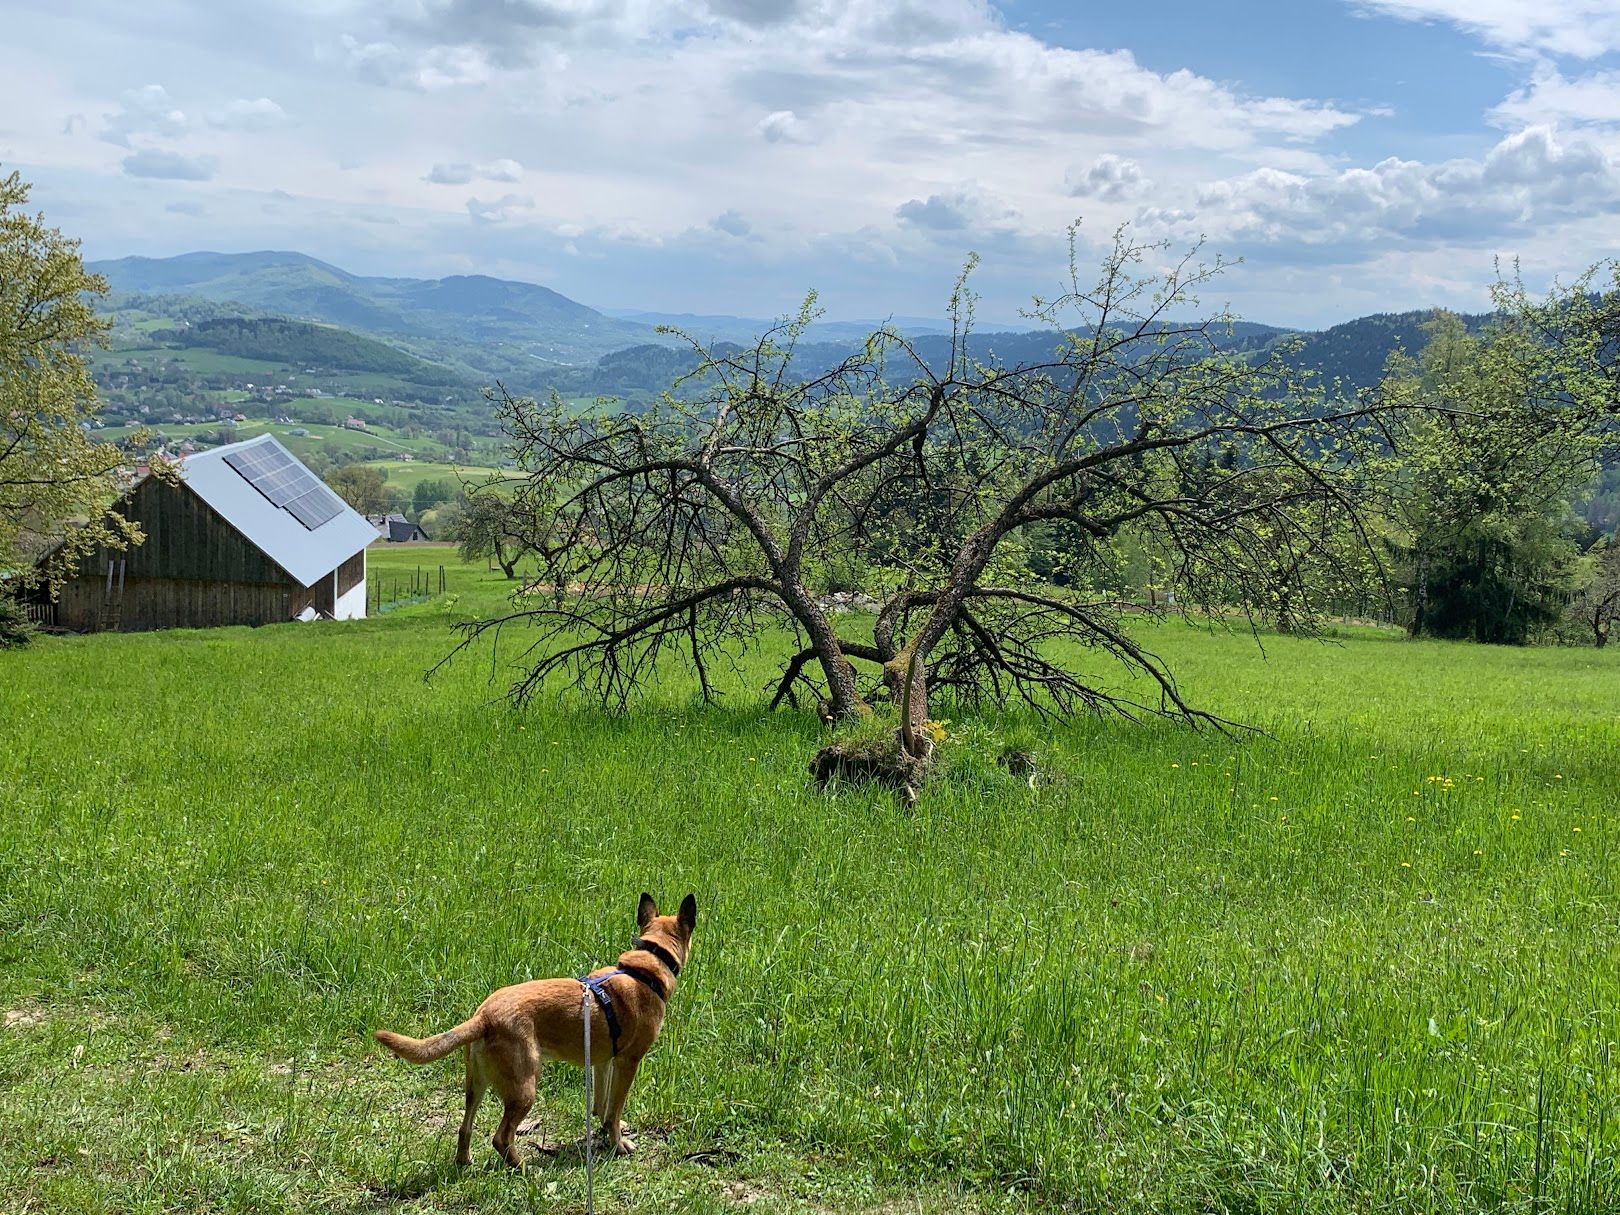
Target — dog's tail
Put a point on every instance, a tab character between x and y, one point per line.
426	1050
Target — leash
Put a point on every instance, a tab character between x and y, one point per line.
590	1092
593	988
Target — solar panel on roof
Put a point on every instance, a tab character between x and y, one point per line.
287	484
316	507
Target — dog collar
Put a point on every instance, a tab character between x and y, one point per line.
659	952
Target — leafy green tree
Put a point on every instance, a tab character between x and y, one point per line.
1484	485
490	526
363	487
429	494
1596	604
56	483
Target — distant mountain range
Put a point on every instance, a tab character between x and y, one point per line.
515	319
744	330
480	329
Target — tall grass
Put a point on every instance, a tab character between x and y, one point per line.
1362	962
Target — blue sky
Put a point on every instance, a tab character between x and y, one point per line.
727	155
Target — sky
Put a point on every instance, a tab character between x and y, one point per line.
726	156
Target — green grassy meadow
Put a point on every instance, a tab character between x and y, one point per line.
408	474
1365	961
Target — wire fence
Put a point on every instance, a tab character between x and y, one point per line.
384	593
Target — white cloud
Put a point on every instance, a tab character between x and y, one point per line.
502	170
1552	98
956	210
938	212
1529	178
451	174
172	166
1581	28
144	111
731	223
1109	178
425	70
506	209
259	114
783	126
461	173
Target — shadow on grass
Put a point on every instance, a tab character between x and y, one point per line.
419	1182
423	1180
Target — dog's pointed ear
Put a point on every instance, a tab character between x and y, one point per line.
688	913
645	911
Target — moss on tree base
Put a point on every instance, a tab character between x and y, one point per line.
879	758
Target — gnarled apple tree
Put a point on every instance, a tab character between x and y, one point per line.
698	528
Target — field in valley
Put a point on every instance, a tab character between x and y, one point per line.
1364	961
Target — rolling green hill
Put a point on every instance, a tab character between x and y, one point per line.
491	322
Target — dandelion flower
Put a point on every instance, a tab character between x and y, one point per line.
1175	765
1406	864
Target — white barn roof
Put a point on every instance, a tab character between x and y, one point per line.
283	534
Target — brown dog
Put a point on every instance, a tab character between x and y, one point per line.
519	1026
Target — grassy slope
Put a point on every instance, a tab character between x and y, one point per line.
407	475
319	436
1328	970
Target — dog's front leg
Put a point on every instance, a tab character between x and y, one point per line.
624	1073
602	1077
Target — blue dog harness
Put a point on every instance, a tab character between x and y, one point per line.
597	984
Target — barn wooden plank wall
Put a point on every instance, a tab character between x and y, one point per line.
87	606
351	573
194	571
186	538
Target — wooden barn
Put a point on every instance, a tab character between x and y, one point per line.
247	535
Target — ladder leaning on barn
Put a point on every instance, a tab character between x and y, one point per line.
111	616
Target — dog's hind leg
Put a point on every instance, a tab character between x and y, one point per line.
624	1074
514	1073
476	1084
516	1108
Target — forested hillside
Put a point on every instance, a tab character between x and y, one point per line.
300	343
